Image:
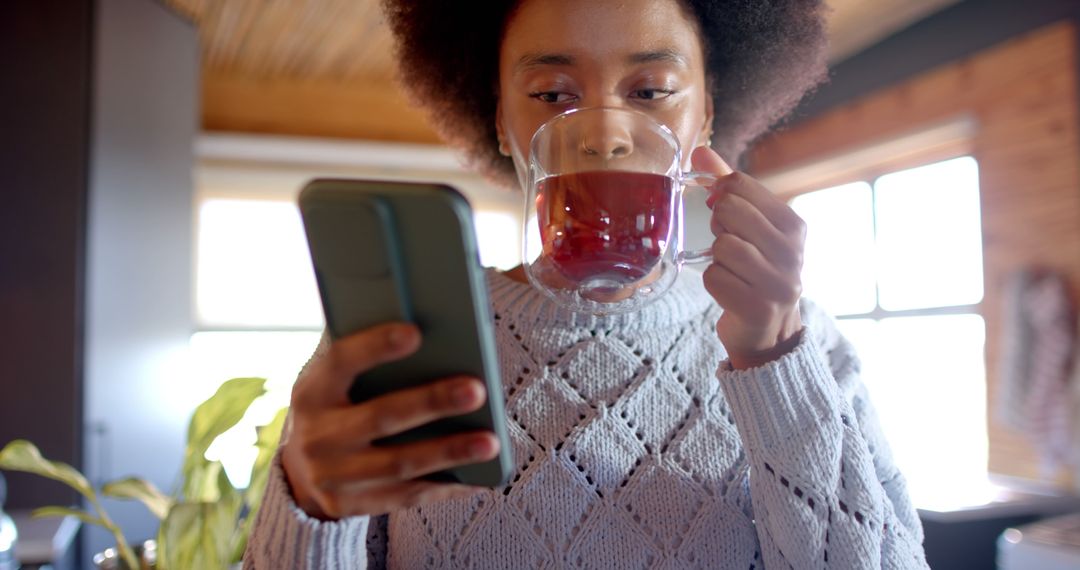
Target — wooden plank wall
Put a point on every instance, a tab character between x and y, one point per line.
1023	96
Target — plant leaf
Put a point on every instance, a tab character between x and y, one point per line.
267	443
140	490
228	496
126	554
240	539
196	535
212	418
68	512
222	522
178	536
216	532
222	410
202	482
21	455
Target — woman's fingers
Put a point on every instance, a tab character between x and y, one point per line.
380	465
775	210
728	288
403	410
327	382
353	428
331	449
330	461
744	260
705	159
757	258
743	205
734	214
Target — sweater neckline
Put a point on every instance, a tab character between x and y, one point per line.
521	302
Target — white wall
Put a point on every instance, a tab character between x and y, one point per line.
138	313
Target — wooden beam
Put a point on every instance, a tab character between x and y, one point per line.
855	25
371	110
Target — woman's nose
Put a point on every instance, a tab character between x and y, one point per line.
606	137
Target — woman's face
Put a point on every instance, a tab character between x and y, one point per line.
559	55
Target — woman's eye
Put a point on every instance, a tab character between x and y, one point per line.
651	94
552	96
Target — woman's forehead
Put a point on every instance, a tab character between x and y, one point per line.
543	31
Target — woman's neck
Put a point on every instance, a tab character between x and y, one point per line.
517	274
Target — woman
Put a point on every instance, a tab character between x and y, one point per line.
682	435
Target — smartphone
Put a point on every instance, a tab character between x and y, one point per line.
401	251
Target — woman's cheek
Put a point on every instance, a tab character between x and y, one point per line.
687	125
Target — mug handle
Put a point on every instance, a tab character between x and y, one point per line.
701	180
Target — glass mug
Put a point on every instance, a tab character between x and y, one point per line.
604	210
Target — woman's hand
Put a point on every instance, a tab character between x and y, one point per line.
332	467
757	259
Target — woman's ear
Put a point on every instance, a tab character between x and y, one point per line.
706	129
500	132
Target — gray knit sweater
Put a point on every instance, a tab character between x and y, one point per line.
637	446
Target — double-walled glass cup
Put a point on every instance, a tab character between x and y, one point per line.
604	210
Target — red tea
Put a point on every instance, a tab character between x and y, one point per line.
605	224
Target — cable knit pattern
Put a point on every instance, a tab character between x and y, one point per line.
638	446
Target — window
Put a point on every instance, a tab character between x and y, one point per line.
898	261
256	301
257	308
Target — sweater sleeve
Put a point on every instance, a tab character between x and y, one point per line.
285	537
824	487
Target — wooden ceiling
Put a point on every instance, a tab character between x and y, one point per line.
325	68
337	40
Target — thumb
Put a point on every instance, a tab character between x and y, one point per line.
327	380
705	159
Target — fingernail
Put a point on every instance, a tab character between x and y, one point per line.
727	169
484	447
464	394
713	198
399	336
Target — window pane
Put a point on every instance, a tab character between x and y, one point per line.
838	272
862	334
927	380
498	236
276	356
253	266
929	236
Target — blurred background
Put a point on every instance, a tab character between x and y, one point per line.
150	244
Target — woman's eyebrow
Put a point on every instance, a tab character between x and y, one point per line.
658	56
532	60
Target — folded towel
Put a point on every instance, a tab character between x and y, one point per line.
1034	395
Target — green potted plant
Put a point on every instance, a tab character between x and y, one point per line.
205	523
